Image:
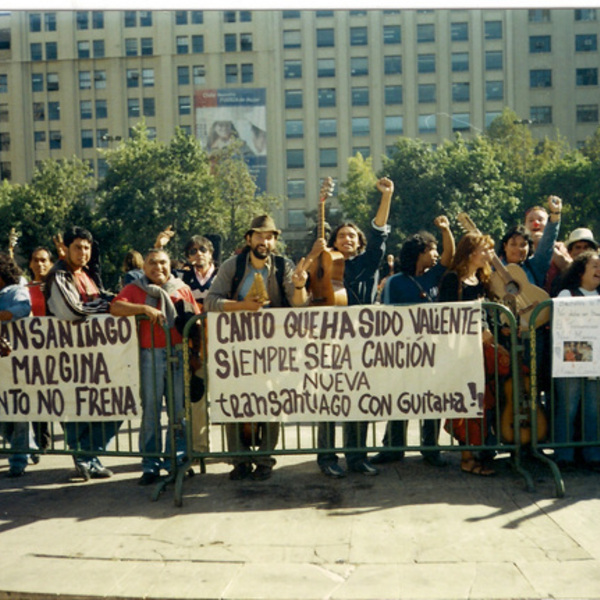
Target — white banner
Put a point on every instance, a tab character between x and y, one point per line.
576	337
70	371
355	363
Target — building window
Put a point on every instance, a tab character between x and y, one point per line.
36	51
460	61
35	22
586	76
425	33
231	73
229	16
325	67
197	17
85	80
294	128
83	49
291	14
145	18
181	17
540	78
98	47
494	90
50	21
541	114
493	30
540	43
327	127
183	75
131	47
459	32
359	66
245	16
359	36
148	77
247	73
585	14
360	96
102	138
199	74
295	158
292	69
53	111
324	13
392	34
87	138
587	113
328	157
393	94
51	50
427	123
55	140
100	80
245	42
37	82
296	188
361	126
83	20
296	219
185	106
130	18
293	98
133	108
461	122
147	48
133	78
394	125
182	44
97	19
426	93
101	109
230	42
325	38
364	151
292	38
539	15
586	42
197	44
4	113
5	141
85	109
490	116
493	60
426	63
39	138
392	65
461	92
326	97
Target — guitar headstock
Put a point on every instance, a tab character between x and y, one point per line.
466	223
327	189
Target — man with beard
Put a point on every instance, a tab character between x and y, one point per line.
235	288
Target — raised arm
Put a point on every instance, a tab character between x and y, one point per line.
386	187
443	225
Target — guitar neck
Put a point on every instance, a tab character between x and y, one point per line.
321	226
500	268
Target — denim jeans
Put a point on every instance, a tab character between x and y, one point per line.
153	371
17	434
355	436
89	438
572	392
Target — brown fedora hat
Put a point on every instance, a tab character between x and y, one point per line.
263	223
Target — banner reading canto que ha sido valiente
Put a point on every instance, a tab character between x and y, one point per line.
70	371
353	363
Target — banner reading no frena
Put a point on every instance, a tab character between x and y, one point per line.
355	363
70	371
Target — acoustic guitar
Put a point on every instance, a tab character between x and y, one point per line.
510	285
326	282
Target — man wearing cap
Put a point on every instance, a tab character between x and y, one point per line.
233	290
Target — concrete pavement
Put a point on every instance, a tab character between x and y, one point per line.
413	532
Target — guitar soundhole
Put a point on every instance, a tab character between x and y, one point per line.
512	288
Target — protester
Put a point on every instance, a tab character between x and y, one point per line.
132	267
201	270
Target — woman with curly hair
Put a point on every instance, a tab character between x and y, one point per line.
467	279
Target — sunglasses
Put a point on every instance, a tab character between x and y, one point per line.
194	251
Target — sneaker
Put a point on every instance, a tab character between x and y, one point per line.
262	472
240	471
364	467
15	472
435	459
99	471
83	470
147	478
334	471
387	456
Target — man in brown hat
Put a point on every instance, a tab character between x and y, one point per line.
254	279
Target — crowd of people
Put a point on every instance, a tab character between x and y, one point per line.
257	278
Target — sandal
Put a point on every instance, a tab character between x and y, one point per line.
474	467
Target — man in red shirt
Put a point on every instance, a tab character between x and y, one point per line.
165	300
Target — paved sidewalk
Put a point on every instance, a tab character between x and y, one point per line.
413	532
